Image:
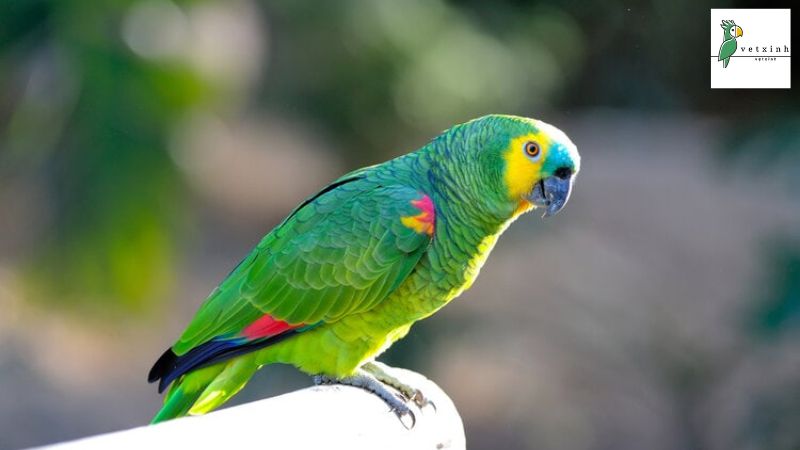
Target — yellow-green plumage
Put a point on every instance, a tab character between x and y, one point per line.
350	270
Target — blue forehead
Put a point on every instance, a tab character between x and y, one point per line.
559	156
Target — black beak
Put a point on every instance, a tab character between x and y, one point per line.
552	193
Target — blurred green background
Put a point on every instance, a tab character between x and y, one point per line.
145	146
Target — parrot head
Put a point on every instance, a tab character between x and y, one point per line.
731	30
527	163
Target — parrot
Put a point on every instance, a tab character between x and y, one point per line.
730	32
351	269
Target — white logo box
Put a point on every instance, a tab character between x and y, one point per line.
763	55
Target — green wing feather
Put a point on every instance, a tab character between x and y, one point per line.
727	49
339	254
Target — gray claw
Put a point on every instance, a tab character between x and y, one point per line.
421	401
407	412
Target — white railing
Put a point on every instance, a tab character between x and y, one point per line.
324	417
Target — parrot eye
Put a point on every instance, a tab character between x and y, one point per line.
532	150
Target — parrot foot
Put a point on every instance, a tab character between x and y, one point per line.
382	372
370	383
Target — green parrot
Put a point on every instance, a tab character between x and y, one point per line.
350	270
730	32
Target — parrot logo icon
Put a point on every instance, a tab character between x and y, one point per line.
730	32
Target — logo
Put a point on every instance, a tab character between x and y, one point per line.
728	47
759	58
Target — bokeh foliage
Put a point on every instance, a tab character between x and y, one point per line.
92	116
94	119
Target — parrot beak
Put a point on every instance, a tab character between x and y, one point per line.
552	193
739	32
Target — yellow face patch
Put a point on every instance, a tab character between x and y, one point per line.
521	171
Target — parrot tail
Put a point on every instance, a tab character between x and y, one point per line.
205	389
185	391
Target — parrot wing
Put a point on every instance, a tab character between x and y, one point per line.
341	252
727	49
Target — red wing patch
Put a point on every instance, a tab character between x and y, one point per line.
267	326
425	221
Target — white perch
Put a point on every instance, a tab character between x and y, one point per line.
316	417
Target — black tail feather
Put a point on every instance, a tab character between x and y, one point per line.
170	366
164	365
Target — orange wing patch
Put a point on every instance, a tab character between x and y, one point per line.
423	222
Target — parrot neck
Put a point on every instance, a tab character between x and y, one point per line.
464	198
468	220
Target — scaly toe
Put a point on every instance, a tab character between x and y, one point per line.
366	381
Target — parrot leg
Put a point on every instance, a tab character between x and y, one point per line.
382	371
368	382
